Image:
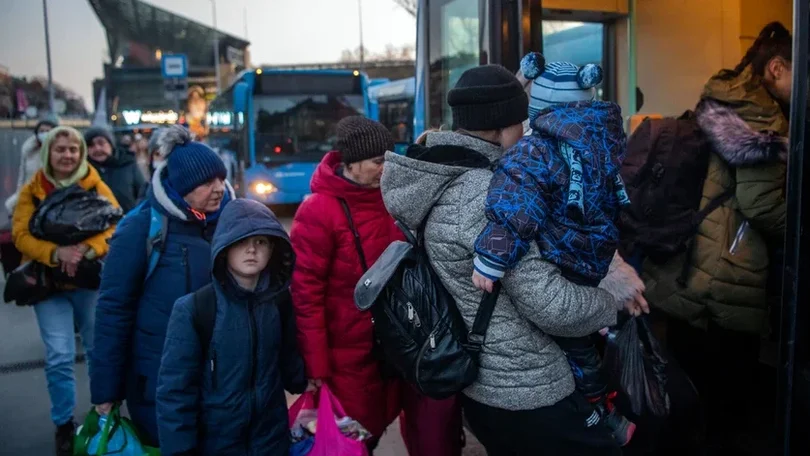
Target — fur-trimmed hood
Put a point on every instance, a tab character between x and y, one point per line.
734	140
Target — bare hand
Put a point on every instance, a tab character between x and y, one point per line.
313	385
69	254
482	283
637	306
70	257
104	409
642	303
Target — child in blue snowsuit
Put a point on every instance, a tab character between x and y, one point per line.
227	396
560	187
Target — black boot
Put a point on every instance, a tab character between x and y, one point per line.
64	438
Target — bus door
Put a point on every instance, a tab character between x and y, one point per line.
455	35
794	357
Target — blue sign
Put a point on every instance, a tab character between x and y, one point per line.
174	66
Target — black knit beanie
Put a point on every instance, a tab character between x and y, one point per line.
359	138
488	97
94	132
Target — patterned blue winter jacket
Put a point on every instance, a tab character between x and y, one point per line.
560	187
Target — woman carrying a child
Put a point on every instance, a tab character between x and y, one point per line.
524	401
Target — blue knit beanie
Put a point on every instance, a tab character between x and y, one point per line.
189	164
558	82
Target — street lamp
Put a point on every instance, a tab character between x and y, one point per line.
216	43
362	51
51	101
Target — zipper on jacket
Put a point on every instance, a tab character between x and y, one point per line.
187	268
213	370
254	350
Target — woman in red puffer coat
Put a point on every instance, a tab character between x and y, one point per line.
334	336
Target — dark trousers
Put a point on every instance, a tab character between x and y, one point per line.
582	354
724	366
586	365
558	430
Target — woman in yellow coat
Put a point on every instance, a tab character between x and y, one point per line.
64	163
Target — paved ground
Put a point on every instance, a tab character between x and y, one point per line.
25	427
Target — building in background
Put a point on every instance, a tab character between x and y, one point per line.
138	35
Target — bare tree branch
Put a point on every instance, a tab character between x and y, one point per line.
407	5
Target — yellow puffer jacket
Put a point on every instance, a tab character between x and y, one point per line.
728	269
43	251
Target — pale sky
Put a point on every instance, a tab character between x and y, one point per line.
280	31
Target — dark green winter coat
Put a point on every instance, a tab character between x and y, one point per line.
727	280
121	173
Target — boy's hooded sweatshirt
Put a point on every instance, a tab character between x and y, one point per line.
233	402
559	187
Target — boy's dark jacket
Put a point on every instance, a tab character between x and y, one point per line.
233	403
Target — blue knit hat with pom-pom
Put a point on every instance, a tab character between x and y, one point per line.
558	82
189	163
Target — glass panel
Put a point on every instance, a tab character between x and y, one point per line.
575	42
397	115
454	47
300	127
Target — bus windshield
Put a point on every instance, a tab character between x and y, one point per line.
297	123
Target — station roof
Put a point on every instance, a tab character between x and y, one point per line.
135	20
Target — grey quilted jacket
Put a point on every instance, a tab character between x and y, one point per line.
444	185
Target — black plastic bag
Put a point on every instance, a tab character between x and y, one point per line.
33	282
638	367
28	284
10	257
71	215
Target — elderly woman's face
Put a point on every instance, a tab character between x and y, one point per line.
367	172
207	197
65	156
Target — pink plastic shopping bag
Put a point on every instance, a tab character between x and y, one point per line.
329	441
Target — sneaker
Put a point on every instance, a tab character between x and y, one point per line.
64	438
621	428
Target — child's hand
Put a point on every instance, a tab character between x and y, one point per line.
482	283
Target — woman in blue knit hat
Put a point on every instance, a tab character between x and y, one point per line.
159	253
560	187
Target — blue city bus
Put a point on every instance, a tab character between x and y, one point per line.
392	105
276	126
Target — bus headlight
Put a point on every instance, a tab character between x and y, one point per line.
264	188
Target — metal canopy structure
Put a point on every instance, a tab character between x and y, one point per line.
126	21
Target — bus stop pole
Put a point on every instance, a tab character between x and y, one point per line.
793	291
216	46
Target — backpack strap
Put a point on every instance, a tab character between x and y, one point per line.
358	244
698	219
156	241
204	314
478	333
